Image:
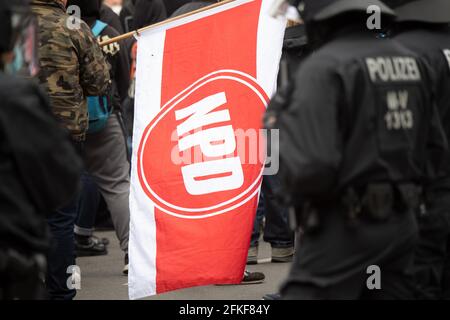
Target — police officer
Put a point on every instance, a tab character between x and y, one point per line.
353	145
34	155
423	26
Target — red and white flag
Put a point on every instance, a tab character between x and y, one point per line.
203	83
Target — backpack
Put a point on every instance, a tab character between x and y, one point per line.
99	106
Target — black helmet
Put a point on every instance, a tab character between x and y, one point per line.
11	19
319	10
429	11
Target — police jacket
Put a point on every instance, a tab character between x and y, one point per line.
360	111
39	168
294	51
433	45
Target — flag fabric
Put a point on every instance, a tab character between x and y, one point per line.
203	83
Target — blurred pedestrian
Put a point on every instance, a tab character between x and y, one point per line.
72	67
146	12
39	168
115	5
105	146
108	16
126	15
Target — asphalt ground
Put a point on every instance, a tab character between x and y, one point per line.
102	279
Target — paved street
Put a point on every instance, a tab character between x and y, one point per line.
101	278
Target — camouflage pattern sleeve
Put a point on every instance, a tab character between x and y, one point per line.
94	70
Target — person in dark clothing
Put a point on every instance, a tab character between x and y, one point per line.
108	16
39	168
423	26
126	15
355	138
140	13
72	67
147	12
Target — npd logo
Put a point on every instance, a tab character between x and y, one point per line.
190	161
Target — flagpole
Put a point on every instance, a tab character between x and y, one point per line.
158	24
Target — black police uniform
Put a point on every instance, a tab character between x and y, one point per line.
424	29
353	147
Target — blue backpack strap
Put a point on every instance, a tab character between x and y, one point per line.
98	28
99	109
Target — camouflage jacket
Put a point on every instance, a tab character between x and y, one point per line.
72	65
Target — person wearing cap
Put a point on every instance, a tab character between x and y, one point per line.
423	26
354	140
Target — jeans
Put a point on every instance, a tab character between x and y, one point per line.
62	252
88	206
276	230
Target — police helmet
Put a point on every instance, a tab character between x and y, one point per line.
429	11
320	10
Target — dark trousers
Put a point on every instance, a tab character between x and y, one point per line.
446	273
88	206
334	261
432	256
21	276
276	230
62	252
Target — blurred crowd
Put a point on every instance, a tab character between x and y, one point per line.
66	139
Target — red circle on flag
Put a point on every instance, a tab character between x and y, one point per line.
192	183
